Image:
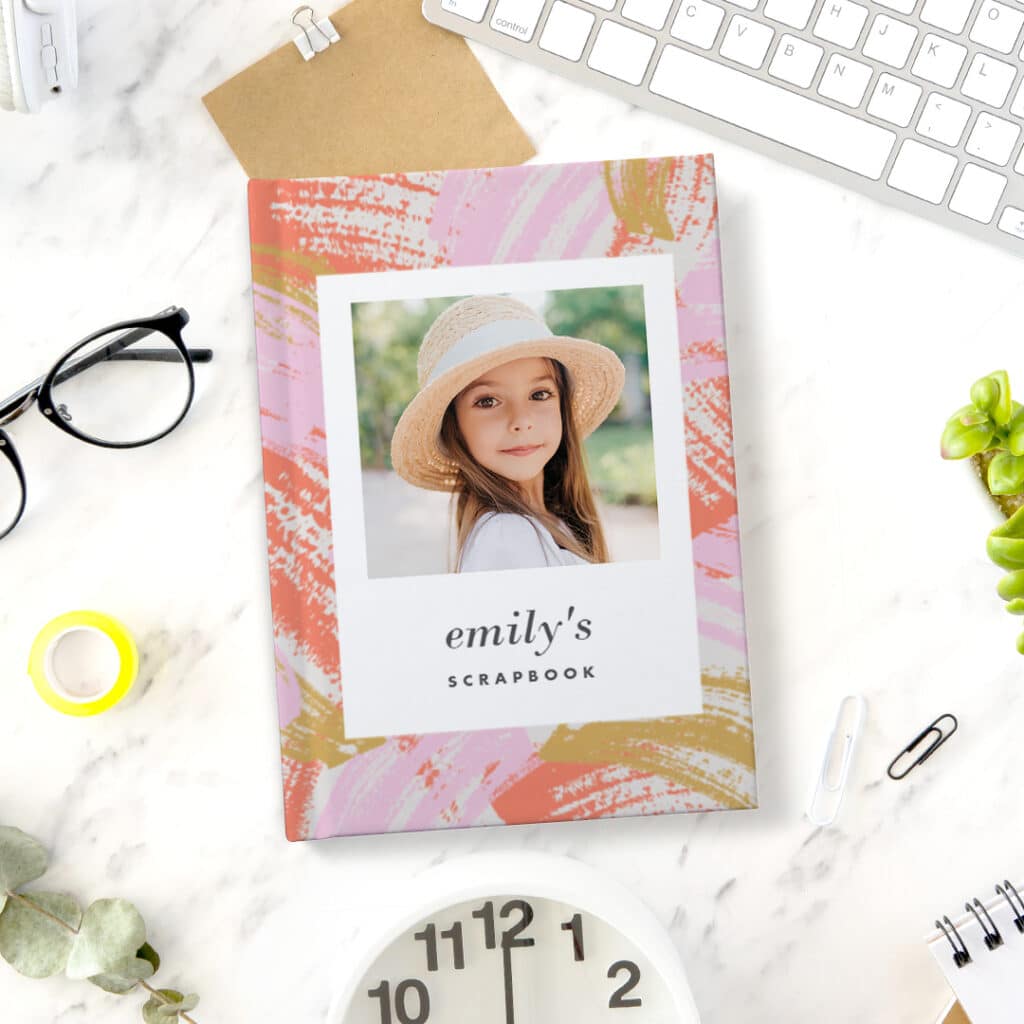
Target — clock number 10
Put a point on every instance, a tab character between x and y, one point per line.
402	1011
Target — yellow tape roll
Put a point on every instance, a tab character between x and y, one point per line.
83	663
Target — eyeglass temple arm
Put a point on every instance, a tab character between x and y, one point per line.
109	353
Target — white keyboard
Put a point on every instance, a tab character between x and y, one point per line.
918	103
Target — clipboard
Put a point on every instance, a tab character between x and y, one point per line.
394	93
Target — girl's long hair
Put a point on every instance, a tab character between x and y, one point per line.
568	499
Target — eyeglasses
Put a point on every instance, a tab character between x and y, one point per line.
124	386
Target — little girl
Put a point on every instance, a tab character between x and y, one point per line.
499	420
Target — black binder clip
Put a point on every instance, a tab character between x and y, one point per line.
992	937
937	733
960	955
1016	908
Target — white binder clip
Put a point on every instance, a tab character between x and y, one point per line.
317	34
830	785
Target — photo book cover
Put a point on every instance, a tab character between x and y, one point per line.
501	508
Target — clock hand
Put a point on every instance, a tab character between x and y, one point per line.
506	966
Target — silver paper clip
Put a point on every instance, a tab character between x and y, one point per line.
316	36
830	785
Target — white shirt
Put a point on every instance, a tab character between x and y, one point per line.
507	540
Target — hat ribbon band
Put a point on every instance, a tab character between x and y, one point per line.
496	335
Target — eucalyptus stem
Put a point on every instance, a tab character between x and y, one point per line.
167	1002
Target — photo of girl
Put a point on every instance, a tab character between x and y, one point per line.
495	426
499	421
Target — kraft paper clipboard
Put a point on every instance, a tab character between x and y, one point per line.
953	1014
395	93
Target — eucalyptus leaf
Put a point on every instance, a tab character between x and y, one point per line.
147	952
1006	474
111	932
22	860
122	977
32	943
160	1011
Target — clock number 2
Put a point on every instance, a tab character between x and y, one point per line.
510	939
618	1000
402	1012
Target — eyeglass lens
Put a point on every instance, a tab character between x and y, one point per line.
10	493
123	387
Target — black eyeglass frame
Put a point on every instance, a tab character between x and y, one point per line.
169	322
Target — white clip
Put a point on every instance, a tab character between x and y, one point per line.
830	785
316	36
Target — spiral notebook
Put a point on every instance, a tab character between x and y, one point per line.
981	953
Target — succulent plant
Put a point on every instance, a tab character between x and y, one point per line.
45	933
994	423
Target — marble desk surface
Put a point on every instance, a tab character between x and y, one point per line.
853	331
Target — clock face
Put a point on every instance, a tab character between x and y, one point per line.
511	960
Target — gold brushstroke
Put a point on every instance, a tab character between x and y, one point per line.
276	274
638	197
317	733
711	753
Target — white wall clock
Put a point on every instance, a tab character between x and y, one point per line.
516	939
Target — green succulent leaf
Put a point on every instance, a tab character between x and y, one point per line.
161	1011
1016	606
1015	434
124	976
1011	586
1006	474
22	860
1005	545
991	394
30	941
1020	644
111	932
962	440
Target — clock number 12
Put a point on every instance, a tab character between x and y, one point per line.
510	939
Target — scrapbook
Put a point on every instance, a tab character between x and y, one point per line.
500	496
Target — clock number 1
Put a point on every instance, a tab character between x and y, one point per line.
576	927
402	990
429	937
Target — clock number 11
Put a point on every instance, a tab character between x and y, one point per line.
429	936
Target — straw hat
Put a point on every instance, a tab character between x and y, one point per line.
476	335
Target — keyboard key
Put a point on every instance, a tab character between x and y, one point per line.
746	41
997	26
622	52
772	111
922	171
747	5
977	193
605	5
517	18
889	41
840	22
845	80
993	139
567	31
939	60
988	80
1012	221
795	61
651	13
948	14
697	23
795	13
900	6
1017	106
473	10
894	100
943	119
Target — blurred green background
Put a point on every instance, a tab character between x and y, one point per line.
620	453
